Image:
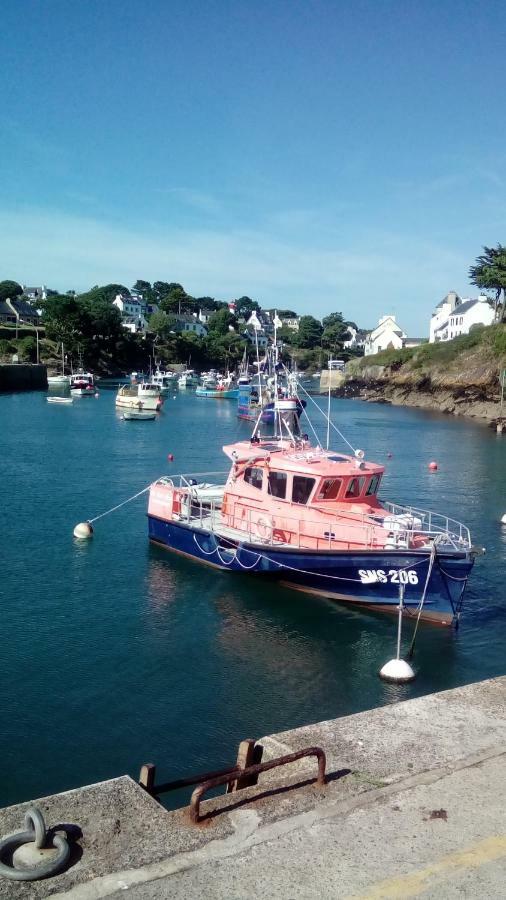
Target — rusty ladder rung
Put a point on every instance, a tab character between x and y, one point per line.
255	770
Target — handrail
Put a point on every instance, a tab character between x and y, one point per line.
433	525
256	770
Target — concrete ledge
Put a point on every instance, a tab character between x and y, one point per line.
434	749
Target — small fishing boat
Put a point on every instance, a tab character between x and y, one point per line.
138	415
312	519
218	393
60	400
165	381
142	396
82	384
217	387
187	379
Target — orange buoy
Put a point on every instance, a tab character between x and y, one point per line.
170	457
433	466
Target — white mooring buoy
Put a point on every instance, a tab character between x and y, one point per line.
503	519
398	670
83	530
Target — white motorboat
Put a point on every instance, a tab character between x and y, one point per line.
188	379
143	396
60	400
82	384
164	380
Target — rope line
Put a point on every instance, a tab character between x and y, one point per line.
324	414
119	505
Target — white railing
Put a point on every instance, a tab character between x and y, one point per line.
349	529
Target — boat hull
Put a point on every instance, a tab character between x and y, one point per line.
140	403
363	578
216	394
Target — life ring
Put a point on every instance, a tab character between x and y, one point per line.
264	528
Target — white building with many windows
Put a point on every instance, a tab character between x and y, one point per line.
454	316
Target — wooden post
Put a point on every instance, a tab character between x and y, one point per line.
147	777
248	754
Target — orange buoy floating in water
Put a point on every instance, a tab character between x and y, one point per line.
433	466
170	457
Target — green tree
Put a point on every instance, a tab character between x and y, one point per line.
220	321
106	293
287	314
10	289
335	332
489	273
161	324
244	306
177	300
65	320
309	333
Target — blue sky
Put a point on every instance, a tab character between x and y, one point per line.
318	155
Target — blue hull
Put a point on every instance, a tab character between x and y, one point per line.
366	578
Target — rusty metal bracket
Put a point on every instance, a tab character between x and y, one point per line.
253	771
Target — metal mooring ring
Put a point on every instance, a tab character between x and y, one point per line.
37	835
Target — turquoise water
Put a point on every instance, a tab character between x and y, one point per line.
115	653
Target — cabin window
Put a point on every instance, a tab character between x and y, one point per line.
254	476
355	487
373	485
302	488
277	484
330	489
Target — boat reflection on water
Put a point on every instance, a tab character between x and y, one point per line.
308	655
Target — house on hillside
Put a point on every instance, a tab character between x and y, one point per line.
132	311
35	294
186	323
204	315
441	314
249	334
18	311
453	317
386	336
357	339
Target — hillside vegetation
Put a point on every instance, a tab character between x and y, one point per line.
459	376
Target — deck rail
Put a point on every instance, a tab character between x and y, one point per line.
406	527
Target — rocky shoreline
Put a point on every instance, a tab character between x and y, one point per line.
479	401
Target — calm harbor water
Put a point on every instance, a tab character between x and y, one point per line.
114	653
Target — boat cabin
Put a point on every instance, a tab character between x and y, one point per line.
283	490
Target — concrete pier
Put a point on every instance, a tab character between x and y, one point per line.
23	377
413	807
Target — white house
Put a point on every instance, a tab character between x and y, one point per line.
460	318
441	314
292	323
263	340
132	314
35	293
386	336
469	313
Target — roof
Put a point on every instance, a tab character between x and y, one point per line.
445	299
464	307
23	308
309	463
443	325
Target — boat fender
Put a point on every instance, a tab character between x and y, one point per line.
264	527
